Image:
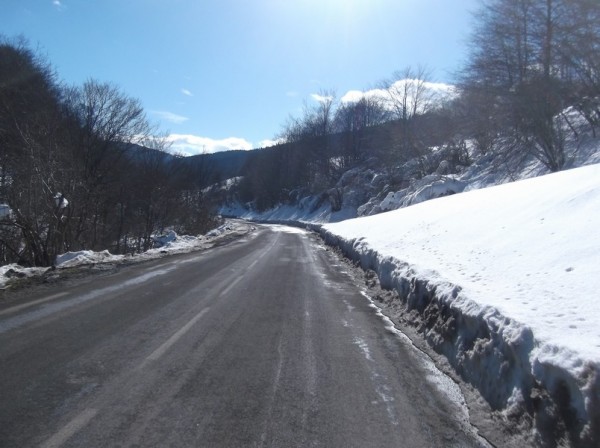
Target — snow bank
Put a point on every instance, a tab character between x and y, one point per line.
504	282
10	271
81	257
163	239
169	243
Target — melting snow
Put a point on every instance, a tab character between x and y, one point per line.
522	258
530	249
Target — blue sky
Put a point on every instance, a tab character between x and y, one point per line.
227	73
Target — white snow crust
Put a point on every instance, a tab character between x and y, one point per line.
530	249
78	258
522	259
9	271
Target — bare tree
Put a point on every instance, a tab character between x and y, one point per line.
31	156
409	97
313	133
407	92
353	120
578	37
80	167
320	117
532	60
108	124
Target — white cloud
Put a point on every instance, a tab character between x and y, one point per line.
269	142
58	4
320	98
170	116
432	87
353	96
189	145
435	92
186	92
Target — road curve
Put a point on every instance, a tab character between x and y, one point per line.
265	342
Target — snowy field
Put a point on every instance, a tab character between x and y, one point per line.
522	257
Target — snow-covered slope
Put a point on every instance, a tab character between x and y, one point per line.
373	188
514	274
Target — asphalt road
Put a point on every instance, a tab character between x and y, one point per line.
264	342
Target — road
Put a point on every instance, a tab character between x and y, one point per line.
266	341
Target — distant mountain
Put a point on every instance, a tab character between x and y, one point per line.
221	165
212	168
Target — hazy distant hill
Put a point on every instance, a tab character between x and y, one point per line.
211	168
221	165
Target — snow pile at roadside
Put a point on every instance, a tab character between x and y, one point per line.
169	243
10	271
165	238
505	282
219	231
71	259
173	244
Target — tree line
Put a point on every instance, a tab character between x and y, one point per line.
532	60
81	167
533	66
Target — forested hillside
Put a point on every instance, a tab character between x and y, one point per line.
81	168
531	80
